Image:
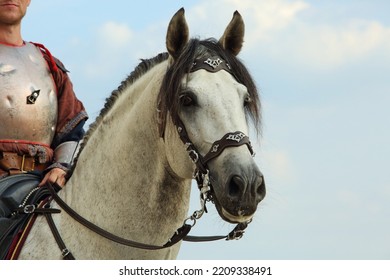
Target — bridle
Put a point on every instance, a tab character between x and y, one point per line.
202	172
231	139
201	175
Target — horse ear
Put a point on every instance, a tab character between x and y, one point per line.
233	37
177	34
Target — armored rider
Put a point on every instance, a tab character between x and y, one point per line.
41	119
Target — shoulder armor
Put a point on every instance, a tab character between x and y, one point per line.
60	65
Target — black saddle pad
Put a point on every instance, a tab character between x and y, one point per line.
13	191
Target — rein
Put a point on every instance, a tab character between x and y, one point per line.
180	234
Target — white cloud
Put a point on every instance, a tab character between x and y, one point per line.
112	46
283	31
116	35
261	18
334	45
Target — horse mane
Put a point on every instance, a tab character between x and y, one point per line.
144	66
168	101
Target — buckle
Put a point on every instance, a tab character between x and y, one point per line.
238	231
22	165
235	235
32	167
65	252
28	209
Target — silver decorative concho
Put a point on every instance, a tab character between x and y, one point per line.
236	137
211	64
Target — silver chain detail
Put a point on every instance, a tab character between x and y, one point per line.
204	197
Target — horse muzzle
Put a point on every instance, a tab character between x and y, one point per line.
231	157
237	197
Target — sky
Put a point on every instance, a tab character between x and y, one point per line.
322	68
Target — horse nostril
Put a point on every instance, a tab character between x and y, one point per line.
261	188
236	186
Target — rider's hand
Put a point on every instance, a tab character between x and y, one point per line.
55	175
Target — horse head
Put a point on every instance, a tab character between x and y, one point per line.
206	98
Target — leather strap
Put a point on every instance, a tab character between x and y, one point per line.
66	254
212	64
14	163
179	234
233	139
235	234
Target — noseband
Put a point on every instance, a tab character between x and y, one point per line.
231	139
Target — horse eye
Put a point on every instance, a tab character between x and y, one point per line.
187	100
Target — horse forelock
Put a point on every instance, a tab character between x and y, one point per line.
168	101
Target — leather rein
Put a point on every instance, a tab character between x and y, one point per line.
201	175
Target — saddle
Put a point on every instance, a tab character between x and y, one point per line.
18	197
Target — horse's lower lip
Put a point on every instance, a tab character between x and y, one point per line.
235	219
228	217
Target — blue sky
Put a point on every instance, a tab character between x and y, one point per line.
323	71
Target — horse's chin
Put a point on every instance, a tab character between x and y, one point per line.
231	218
235	219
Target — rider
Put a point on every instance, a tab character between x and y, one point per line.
41	119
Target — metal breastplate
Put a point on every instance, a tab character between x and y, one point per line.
28	99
